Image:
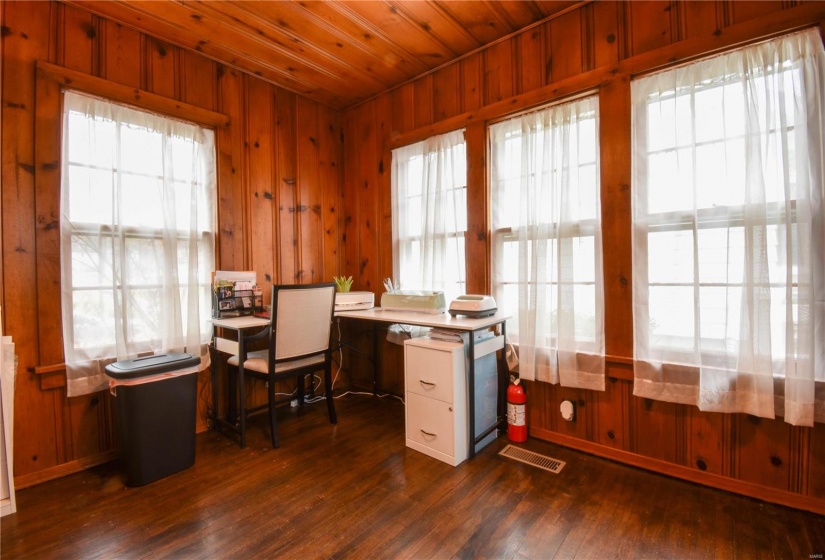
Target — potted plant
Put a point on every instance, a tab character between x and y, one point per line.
342	284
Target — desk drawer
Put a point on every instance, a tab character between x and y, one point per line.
431	423
430	370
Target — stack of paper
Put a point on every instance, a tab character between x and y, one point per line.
446	335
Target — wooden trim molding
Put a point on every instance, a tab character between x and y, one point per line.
51	377
728	484
139	98
63	469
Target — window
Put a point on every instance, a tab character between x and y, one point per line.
429	193
728	234
137	235
547	255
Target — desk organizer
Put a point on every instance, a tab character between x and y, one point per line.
229	302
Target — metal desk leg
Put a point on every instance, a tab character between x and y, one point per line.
214	369
374	359
471	391
503	378
241	390
232	397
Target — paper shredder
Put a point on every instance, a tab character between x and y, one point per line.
155	401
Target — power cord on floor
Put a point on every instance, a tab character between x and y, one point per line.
340	361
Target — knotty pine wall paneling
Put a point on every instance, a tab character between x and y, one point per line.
383	116
596	46
530	49
78	48
446	92
477	242
332	205
403	118
27	37
279	187
233	249
498	73
604	34
118	61
47	216
261	173
610	416
286	181
472	84
814	464
423	95
308	207
615	199
708	439
564	36
162	67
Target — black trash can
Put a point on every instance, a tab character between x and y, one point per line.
155	400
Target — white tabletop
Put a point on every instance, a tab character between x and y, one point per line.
239	323
437	320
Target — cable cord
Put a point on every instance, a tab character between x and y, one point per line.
335	378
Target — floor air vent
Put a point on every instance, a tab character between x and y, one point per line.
540	461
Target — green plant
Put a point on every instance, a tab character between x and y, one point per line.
342	284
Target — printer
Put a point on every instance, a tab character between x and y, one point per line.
472	305
420	301
353	301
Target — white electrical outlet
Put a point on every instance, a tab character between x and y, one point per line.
568	410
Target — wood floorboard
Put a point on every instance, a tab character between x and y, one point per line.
354	490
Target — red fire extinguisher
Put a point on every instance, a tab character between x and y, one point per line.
516	411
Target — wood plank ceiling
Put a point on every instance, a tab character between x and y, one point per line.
336	52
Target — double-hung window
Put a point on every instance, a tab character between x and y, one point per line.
729	230
137	235
429	211
547	252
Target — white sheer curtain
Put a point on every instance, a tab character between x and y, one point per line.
429	210
547	245
137	236
729	231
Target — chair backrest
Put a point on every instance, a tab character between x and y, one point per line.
301	319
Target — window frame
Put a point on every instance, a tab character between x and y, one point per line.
718	217
583	228
49	79
405	245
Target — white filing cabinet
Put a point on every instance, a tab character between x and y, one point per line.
436	399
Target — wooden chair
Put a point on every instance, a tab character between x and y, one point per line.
299	345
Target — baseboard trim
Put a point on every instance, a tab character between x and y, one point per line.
773	495
63	469
7	507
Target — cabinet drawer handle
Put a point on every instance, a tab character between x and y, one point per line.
426	383
426	433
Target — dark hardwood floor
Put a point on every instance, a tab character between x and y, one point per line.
355	491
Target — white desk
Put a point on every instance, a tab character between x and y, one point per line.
446	321
242	325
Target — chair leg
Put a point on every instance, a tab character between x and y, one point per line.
273	419
333	419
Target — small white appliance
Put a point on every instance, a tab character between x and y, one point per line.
472	305
421	301
353	301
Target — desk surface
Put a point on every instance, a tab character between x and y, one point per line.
439	320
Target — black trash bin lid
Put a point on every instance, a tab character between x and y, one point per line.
151	365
